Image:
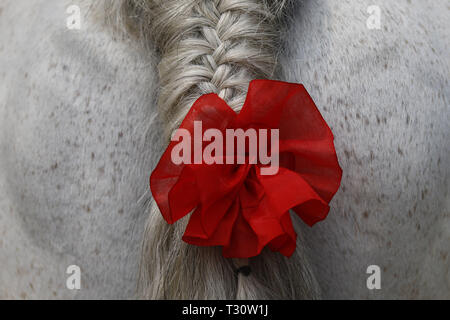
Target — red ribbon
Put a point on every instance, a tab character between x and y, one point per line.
237	207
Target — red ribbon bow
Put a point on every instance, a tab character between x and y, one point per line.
237	207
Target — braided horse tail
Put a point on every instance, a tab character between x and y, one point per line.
211	46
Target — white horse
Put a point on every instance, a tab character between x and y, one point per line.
79	138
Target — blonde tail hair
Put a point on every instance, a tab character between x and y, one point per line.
210	46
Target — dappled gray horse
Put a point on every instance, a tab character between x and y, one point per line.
79	136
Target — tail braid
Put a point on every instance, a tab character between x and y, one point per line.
211	46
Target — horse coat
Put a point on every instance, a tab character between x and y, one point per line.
79	137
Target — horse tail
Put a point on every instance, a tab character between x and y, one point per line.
211	46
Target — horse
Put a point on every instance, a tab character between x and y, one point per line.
80	134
